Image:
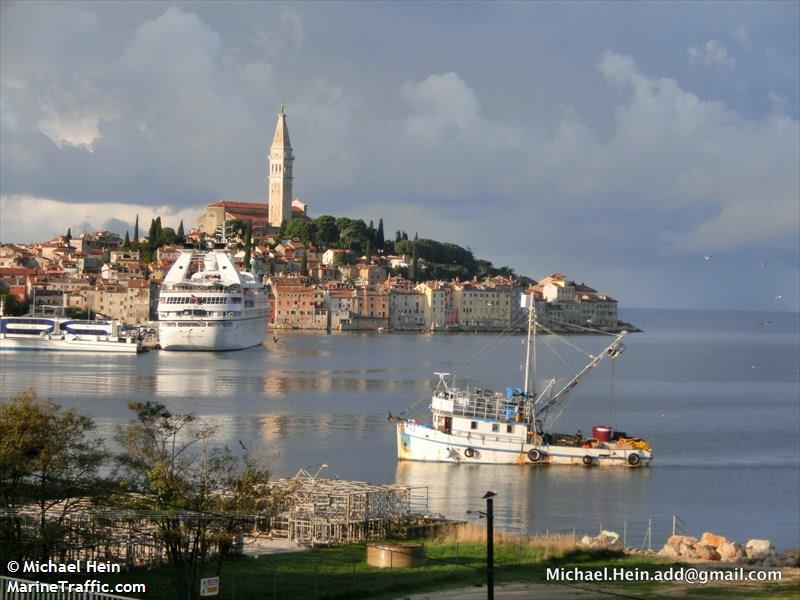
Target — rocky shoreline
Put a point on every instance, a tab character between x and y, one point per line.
710	547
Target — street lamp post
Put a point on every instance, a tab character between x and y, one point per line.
489	497
489	514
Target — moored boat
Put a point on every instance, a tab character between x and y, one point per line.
39	333
206	304
515	427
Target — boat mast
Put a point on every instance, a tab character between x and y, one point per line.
530	351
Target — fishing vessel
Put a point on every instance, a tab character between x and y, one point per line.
73	335
206	304
477	425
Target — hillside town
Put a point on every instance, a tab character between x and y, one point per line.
325	274
95	275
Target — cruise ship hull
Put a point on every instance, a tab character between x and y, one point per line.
212	336
419	442
68	345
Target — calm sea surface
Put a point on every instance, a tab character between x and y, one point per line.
717	394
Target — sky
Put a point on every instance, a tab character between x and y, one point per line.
651	150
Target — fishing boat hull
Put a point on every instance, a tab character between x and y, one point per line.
420	442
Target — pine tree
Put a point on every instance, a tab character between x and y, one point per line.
181	235
416	236
127	243
68	237
136	230
380	242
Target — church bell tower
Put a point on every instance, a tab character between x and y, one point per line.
281	161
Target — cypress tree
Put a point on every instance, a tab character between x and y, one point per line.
248	239
379	239
152	235
68	237
412	273
304	265
136	230
369	252
181	235
398	236
127	243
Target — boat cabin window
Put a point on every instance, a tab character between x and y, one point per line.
509	429
473	424
495	426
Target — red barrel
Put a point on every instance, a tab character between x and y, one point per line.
601	433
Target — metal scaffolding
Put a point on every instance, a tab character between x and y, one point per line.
320	511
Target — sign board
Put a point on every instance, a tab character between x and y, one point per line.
526	301
209	586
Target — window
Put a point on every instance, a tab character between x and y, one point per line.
473	425
495	427
509	429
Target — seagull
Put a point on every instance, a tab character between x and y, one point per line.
779	297
764	264
708	257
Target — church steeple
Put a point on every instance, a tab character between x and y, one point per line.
281	161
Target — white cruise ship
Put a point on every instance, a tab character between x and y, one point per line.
206	304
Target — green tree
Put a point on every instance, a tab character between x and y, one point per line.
68	237
398	236
127	243
368	252
304	265
11	304
284	225
180	235
305	231
326	231
152	235
248	246
167	461
47	461
136	230
413	272
380	242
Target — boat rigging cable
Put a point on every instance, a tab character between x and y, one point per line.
488	347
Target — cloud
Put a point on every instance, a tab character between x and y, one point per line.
712	54
22	217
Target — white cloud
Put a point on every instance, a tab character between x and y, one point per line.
713	53
25	218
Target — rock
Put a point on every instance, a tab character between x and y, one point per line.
585	541
730	552
758	549
669	551
712	539
706	551
790	558
674	541
688	551
608	539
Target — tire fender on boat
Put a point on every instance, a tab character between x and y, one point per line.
587	461
534	455
634	459
469	452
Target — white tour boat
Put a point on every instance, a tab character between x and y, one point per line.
60	334
206	304
482	426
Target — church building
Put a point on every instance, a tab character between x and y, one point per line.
280	207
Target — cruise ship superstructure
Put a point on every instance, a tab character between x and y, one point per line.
206	304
